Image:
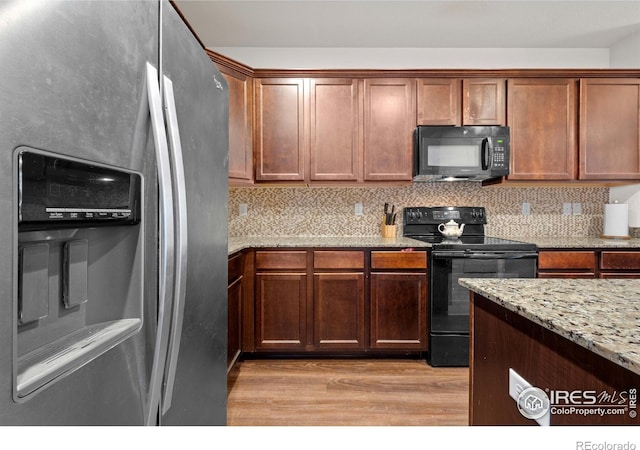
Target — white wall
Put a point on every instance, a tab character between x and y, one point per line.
625	54
417	58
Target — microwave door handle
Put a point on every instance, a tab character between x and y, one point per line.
487	146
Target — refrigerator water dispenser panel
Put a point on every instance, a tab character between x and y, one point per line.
80	265
56	192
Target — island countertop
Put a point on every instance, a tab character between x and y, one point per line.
602	315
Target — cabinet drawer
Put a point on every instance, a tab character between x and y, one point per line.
580	260
398	260
326	259
620	260
281	260
235	268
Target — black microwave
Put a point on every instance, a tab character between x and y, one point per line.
469	153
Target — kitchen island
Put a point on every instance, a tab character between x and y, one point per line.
576	341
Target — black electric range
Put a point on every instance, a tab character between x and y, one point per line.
471	255
422	223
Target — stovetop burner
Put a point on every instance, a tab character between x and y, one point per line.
421	223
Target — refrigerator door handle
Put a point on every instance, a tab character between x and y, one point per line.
166	249
180	204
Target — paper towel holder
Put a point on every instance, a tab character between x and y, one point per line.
614	213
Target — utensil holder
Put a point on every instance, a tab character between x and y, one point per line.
388	231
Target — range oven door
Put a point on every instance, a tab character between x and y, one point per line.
449	302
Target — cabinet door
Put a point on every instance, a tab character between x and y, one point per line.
281	311
484	102
439	101
334	145
398	311
541	114
339	311
234	306
609	129
567	264
240	114
280	145
389	121
620	264
234	329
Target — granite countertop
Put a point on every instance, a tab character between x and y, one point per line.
602	315
547	242
239	243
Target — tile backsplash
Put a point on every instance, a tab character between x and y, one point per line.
330	211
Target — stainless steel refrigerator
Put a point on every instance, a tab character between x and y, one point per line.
113	181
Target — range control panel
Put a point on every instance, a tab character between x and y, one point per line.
423	215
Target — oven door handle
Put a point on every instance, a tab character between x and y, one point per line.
483	255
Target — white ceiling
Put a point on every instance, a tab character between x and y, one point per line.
431	24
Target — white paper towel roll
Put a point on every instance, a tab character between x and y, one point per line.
616	220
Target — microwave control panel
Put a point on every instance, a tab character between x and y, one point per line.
499	157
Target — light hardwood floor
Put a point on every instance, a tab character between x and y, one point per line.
355	392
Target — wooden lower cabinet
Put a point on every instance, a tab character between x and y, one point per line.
281	311
234	311
329	301
620	264
589	264
567	264
234	295
398	300
398	317
338	306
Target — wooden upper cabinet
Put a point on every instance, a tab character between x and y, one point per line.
609	129
541	114
484	101
389	122
280	143
334	150
439	101
451	101
240	123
